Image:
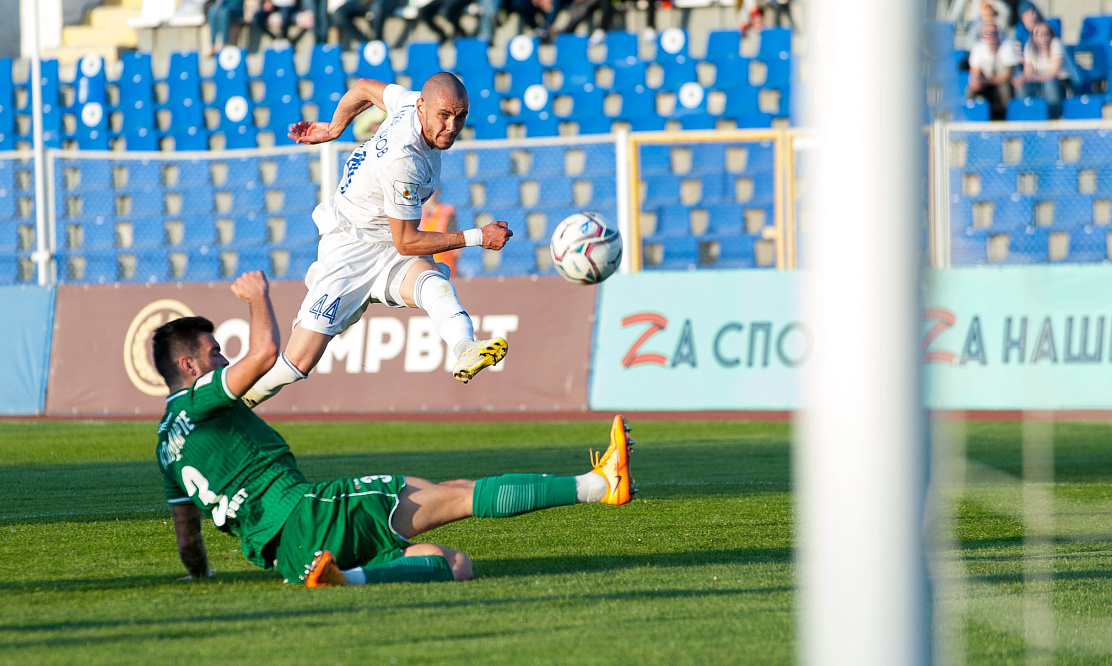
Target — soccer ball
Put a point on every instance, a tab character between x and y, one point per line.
586	248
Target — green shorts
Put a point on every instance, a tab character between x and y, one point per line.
350	517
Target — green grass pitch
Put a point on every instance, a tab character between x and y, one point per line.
697	569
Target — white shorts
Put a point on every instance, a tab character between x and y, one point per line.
349	274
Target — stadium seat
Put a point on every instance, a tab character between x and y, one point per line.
9	237
1095	31
723	46
1096	147
731	73
326	69
1028	108
90	83
299	199
253	259
92	173
151	265
546	161
470	261
7	106
517	258
691	108
184	99
293	169
1060	179
678	254
203	265
655	159
1083	107
555	190
300	229
673	220
280	95
621	46
778	71
503	192
489	126
51	104
98	234
628	75
453	163
230	76
456	191
741	101
471	53
250	228
983	149
300	258
660	190
1039	148
242	173
146	203
639	110
673	58
761	156
147	232
374	62
598	159
1094	75
976	110
736	252
588	110
708	158
480	78
774	42
725	219
1012	213
536	112
604	193
572	61
523	64
199	231
422	61
1089	245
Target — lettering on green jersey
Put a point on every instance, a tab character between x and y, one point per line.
170	451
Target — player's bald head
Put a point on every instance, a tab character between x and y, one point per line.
443	86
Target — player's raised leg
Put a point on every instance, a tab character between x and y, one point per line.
304	350
426	287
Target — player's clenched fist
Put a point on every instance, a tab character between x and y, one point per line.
250	285
309	133
495	235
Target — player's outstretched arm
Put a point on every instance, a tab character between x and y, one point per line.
262	350
411	241
361	96
191	546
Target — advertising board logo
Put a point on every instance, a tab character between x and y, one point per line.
137	353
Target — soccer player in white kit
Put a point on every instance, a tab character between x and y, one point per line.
370	247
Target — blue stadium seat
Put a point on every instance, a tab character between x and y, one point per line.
628	75
691	108
146	203
572	61
984	149
471	53
247	201
456	191
778	72
9	237
184	100
503	192
998	181
1057	180
1096	146
975	110
98	234
299	199
718	188
598	159
678	254
1083	107
1028	108
480	78
147	232
523	64
756	120
1013	212
196	199
708	158
51	104
489	126
742	102
453	163
536	112
764	187
672	56
774	42
518	257
1096	31
300	258
242	173
203	265
90	83
253	259
1073	210
588	110
300	230
293	169
485	102
660	190
7	105
250	229
1039	148
151	265
556	190
1093	77
281	98
969	247
730	73
725	219
639	110
1089	245
199	231
92	174
422	61
326	69
621	46
90	105
547	161
723	46
761	156
604	192
736	252
655	159
230	76
673	220
470	261
374	62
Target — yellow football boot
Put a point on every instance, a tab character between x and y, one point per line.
478	355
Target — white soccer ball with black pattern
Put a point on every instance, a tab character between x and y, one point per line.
586	248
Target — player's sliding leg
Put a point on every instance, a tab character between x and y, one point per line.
421	563
428	288
303	351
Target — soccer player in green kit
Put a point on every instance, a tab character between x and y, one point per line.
218	458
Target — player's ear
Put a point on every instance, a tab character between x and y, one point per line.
186	366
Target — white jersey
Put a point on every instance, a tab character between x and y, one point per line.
391	175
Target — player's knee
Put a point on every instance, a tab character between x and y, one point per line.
461	565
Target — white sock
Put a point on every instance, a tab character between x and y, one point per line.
281	374
590	487
436	296
356	576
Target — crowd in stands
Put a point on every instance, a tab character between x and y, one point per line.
1020	56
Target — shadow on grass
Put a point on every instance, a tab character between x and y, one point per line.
130	491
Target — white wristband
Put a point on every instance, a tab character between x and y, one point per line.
473	237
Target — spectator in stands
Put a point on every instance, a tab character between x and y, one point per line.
529	12
1043	74
1030	16
274	17
991	64
584	10
222	16
379	10
994	12
488	18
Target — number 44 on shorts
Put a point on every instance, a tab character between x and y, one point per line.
319	310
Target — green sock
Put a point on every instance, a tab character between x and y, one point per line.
412	569
514	494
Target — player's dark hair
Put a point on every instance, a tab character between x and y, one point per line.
174	339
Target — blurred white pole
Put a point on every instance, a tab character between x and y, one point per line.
42	246
861	463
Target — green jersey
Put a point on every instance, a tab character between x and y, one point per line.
213	451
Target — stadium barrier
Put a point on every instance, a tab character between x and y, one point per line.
1007	338
23	356
390	361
